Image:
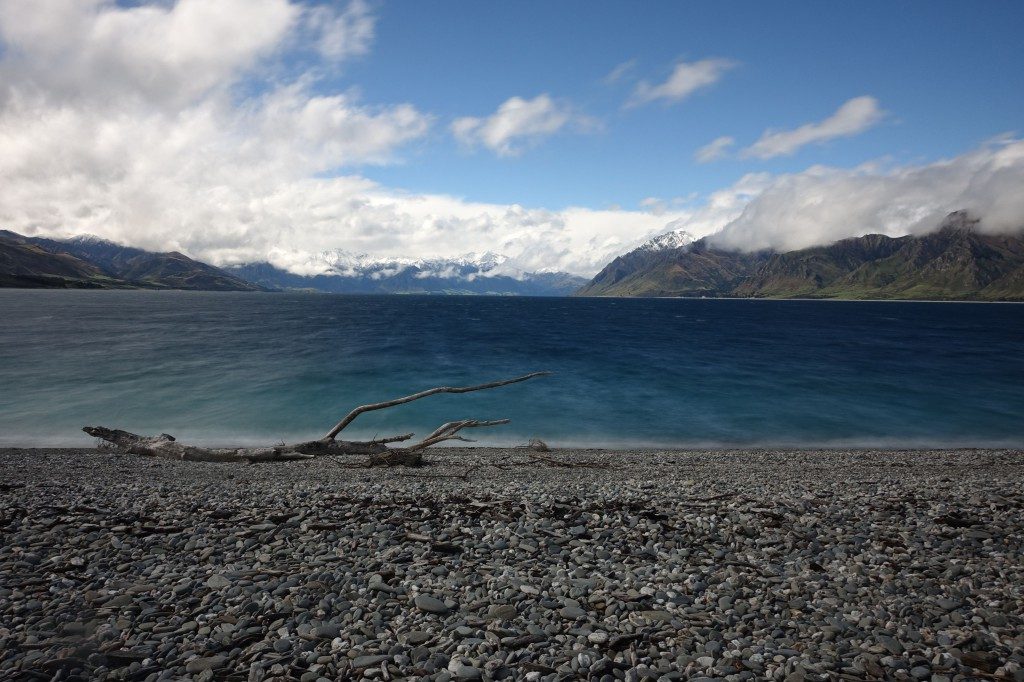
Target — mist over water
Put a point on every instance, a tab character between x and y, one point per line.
227	368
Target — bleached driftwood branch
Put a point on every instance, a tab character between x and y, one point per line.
166	446
350	417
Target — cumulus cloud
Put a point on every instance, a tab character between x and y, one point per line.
685	79
721	207
714	150
355	214
518	123
852	118
344	31
822	205
151	125
95	51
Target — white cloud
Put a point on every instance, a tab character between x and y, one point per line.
344	31
853	117
685	79
619	72
654	205
166	55
721	207
127	122
152	145
518	123
716	149
822	205
320	132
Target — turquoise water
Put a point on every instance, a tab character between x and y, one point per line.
260	368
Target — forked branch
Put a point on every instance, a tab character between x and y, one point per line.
350	417
450	431
167	446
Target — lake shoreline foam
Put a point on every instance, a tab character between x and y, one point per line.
632	564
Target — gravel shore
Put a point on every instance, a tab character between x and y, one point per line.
632	565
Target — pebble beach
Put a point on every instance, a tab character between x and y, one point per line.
492	564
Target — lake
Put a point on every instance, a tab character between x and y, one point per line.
224	368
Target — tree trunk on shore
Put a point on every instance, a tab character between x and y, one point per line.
166	446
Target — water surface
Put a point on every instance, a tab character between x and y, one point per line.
260	368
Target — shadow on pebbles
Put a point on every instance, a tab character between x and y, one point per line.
660	565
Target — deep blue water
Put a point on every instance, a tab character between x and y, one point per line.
231	367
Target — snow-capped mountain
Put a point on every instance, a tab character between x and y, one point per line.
669	240
467	266
90	240
339	271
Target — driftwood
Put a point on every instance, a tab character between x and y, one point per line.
350	417
166	446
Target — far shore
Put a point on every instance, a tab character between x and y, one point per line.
442	295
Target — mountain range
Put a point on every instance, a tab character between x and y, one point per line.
957	262
92	263
343	272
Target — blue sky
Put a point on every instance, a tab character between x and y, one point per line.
285	130
949	75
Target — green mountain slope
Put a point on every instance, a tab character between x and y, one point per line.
23	264
954	263
693	270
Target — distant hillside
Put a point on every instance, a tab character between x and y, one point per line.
92	263
24	264
954	263
359	274
693	269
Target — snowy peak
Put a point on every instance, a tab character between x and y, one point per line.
670	240
340	271
348	264
90	240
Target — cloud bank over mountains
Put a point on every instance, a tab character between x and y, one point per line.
137	124
175	126
822	205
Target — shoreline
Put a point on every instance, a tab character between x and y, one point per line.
568	296
488	564
613	448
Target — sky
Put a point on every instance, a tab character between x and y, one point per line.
557	134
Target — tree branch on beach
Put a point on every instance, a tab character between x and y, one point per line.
166	446
350	417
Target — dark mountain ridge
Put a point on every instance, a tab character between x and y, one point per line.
693	270
956	262
92	263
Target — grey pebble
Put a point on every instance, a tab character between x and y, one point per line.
666	565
